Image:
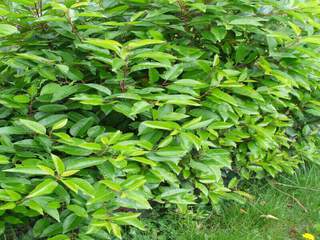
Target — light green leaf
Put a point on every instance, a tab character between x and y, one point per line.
9	195
81	163
141	43
27	170
3	159
70	223
60	124
133	182
13	130
73	150
173	72
297	30
140	107
44	188
7	206
190	83
100	88
77	210
128	219
89	99
312	39
144	161
59	237
34	206
162	125
111	184
248	92
58	164
148	65
81	127
34	126
137	198
79	184
155	55
6	29
221	125
253	21
34	58
116	229
224	97
107	44
196	124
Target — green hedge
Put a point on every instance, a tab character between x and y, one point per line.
110	107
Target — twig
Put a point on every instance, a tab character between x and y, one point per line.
30	107
40	8
125	75
33	12
36	9
289	195
184	13
73	27
123	86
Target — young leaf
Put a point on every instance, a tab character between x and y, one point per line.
144	160
3	159
312	39
111	184
79	185
34	126
60	124
116	229
44	188
58	164
107	44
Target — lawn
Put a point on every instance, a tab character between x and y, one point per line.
283	209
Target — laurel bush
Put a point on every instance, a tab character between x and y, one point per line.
110	107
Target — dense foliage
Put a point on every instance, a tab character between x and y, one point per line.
108	107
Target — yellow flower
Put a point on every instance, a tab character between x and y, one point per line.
308	236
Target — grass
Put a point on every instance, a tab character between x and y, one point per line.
286	209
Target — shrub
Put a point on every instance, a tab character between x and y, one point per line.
109	107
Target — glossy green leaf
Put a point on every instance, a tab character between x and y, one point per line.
161	125
60	124
141	43
77	210
107	44
34	126
58	164
100	88
224	96
27	170
44	188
